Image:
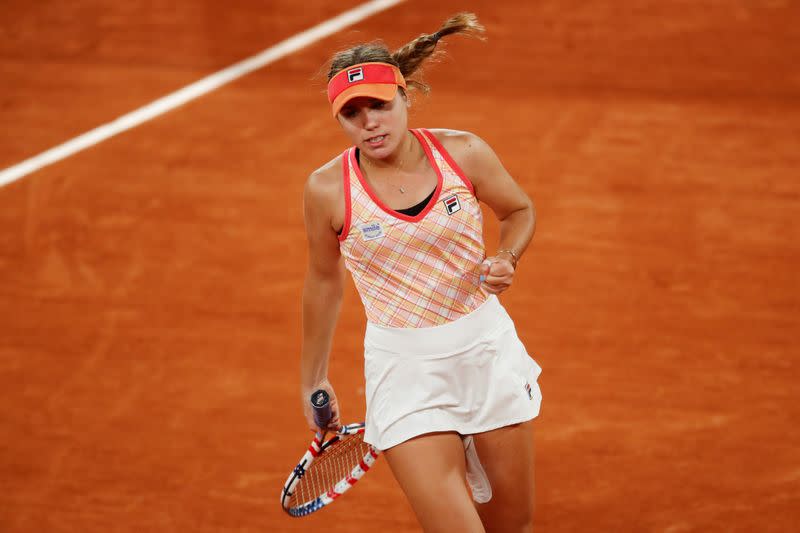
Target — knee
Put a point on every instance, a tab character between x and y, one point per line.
523	522
509	520
519	510
519	526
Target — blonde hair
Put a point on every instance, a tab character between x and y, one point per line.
409	57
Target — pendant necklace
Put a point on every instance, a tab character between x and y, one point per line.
399	167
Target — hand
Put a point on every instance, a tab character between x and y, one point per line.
334	423
497	274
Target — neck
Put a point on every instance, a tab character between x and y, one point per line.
400	158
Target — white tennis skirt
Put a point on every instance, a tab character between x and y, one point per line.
469	376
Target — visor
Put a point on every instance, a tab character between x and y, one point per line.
376	80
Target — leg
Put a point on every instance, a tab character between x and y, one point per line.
431	469
507	456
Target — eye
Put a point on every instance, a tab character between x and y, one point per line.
378	104
348	112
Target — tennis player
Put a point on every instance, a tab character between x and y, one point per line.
450	389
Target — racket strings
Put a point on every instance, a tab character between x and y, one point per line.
333	465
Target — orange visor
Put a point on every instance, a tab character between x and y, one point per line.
376	80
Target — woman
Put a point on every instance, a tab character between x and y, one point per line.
450	389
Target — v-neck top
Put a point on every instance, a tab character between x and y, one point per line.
410	211
414	270
415	209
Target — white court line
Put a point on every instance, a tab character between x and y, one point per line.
195	90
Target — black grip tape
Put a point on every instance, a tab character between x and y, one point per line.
321	403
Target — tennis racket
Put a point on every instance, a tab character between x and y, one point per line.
330	467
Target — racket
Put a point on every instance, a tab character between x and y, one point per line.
330	467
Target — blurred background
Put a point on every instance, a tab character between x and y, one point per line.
150	285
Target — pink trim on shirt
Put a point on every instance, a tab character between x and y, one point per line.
347	201
450	160
388	209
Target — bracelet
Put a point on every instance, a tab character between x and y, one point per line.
513	255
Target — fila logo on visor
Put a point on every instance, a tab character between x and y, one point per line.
356	74
452	204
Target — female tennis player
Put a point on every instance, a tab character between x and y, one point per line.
450	389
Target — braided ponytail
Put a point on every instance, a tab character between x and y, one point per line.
407	58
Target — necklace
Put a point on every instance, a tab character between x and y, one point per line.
401	163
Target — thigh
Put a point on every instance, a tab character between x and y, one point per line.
507	456
431	469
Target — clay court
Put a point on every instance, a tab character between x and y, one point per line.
150	294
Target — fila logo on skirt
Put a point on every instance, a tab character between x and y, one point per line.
452	204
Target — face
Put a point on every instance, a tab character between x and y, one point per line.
376	127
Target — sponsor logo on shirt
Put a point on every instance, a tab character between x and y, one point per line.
451	204
371	231
528	390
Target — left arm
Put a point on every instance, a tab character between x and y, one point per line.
496	188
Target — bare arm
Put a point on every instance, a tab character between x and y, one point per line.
494	186
322	291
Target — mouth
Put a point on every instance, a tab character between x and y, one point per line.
376	141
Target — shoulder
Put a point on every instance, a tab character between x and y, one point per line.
466	148
325	183
455	139
323	196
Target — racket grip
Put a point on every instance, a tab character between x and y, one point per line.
321	404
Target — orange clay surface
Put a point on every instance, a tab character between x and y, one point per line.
150	286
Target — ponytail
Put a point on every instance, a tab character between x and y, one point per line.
409	57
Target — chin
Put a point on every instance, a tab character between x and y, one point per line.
382	151
376	153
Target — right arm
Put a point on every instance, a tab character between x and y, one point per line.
322	290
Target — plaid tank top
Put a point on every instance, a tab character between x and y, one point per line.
414	271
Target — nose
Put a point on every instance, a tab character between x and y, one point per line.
370	119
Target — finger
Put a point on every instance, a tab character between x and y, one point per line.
334	422
489	287
484	269
496	285
501	267
498	279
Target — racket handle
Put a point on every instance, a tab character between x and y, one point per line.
321	403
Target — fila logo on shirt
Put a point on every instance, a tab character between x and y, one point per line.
452	204
355	74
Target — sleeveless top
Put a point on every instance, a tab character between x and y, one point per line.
414	271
